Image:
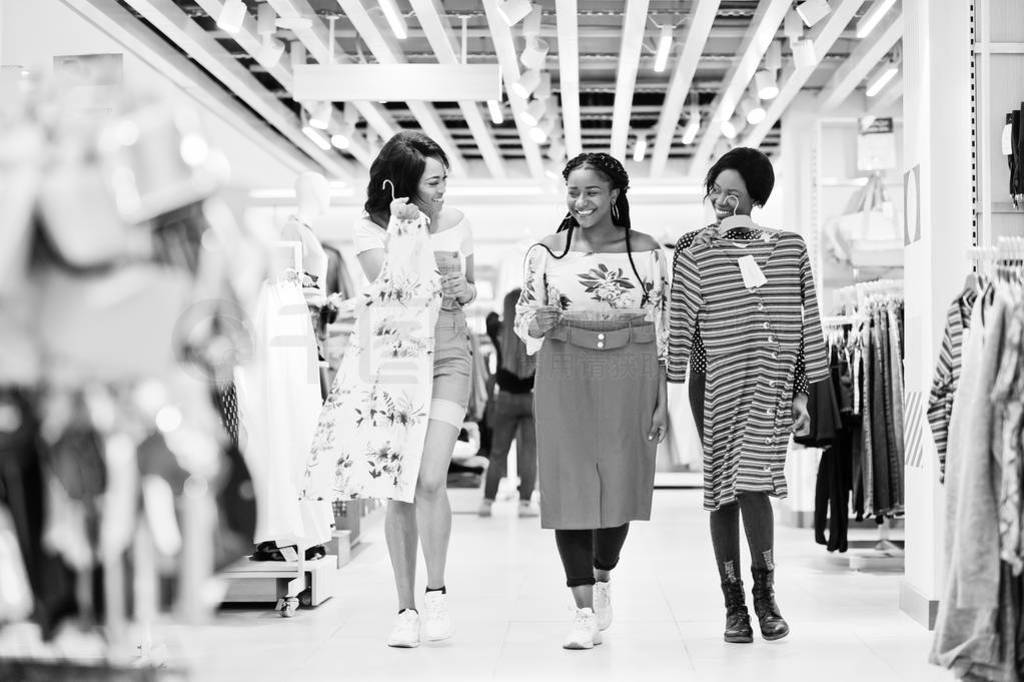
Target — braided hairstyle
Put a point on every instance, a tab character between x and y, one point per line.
612	169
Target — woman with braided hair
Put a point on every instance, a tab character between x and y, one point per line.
593	306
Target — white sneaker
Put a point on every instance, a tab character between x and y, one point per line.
406	632
584	633
437	623
485	508
603	604
527	510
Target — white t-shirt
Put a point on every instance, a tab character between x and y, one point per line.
368	235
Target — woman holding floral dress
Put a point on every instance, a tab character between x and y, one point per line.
394	439
593	307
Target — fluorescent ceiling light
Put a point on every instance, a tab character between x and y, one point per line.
866	25
640	148
320	114
526	84
232	16
513	11
270	52
535	53
317	137
395	19
552	174
534	112
813	11
881	78
497	118
664	49
766	85
538	135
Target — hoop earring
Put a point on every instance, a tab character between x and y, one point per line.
615	212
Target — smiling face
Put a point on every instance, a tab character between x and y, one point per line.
589	196
430	191
729	192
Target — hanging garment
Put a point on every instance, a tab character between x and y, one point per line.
753	338
370	433
1008	398
596	384
279	400
947	372
966	632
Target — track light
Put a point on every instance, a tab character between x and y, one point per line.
766	85
533	113
266	20
640	148
773	57
497	118
531	24
270	52
535	53
538	135
527	83
232	16
733	127
813	11
880	78
543	90
756	114
692	126
341	141
320	114
395	19
513	11
793	26
317	137
867	24
664	49
804	55
296	54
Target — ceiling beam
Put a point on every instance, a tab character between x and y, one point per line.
181	30
435	25
865	57
121	25
763	27
508	60
693	41
569	74
250	41
387	51
633	30
824	36
317	40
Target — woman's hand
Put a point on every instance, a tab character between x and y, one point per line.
456	287
659	424
545	319
801	417
403	210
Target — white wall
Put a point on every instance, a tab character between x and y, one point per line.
32	32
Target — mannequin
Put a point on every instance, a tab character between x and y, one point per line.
313	197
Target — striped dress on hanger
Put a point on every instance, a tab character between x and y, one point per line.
753	339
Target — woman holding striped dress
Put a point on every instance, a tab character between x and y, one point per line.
744	320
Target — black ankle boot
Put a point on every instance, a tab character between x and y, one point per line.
737	618
773	626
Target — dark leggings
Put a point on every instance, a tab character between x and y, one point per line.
584	550
759	523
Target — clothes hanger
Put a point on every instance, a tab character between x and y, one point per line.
737	221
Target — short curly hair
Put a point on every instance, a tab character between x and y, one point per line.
754	167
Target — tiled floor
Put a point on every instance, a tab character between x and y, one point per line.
510	608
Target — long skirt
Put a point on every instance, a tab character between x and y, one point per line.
595	394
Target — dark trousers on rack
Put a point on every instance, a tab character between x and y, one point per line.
834	485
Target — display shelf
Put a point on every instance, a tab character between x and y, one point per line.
273	581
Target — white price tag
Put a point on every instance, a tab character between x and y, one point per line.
1007	141
752	275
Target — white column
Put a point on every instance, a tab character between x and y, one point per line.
937	147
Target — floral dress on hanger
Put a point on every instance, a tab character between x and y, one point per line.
371	431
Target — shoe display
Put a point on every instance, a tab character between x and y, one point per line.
437	621
406	632
603	604
584	633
